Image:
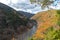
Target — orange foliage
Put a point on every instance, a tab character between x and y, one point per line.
45	20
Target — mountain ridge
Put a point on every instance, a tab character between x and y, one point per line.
13	24
27	14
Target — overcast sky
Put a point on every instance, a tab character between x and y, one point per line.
25	5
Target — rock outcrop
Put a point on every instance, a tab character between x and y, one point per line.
12	24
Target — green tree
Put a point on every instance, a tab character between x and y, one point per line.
43	3
52	34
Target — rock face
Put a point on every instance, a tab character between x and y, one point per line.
15	25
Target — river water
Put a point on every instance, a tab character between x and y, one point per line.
27	34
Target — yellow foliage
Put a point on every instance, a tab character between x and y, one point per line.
45	20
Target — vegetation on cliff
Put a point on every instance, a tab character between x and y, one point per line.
48	25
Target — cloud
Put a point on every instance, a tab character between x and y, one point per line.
25	5
4	1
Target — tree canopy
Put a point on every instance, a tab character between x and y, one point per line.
43	3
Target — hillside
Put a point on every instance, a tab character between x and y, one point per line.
28	15
46	20
13	24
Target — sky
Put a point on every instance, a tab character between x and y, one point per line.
25	5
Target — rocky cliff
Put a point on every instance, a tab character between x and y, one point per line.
13	23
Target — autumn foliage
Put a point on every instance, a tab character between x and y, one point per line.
45	20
